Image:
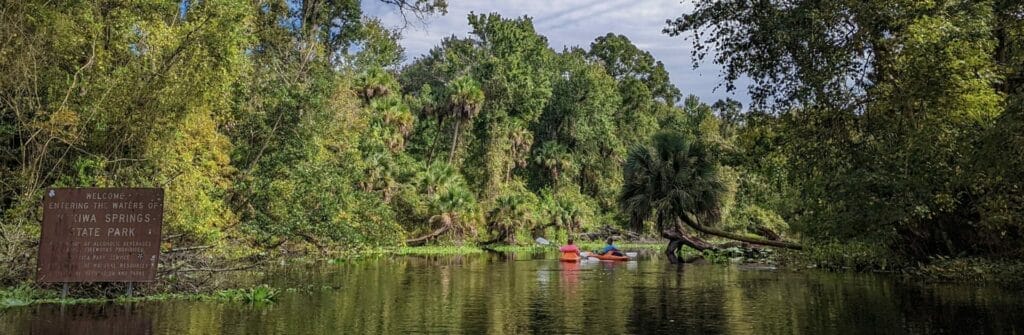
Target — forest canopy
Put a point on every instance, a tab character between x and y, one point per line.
900	119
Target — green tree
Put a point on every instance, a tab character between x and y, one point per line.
437	177
882	104
453	210
513	65
676	180
643	84
581	119
513	211
556	160
464	102
564	208
627	63
375	82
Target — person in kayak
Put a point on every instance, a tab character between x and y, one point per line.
610	248
570	248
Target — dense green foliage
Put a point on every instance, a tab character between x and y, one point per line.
674	178
284	125
891	122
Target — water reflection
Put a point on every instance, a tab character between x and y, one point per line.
108	319
534	293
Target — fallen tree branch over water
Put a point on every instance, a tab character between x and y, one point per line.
689	221
678	237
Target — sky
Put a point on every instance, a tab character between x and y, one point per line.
577	23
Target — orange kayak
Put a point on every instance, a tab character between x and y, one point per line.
610	257
569	257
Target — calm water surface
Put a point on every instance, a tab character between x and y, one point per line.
534	293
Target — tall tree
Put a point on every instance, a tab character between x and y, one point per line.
676	181
643	84
626	62
580	118
464	102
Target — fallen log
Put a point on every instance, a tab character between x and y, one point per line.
721	233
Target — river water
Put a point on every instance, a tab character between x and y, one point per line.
534	293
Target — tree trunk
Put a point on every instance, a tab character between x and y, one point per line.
721	233
423	239
677	239
768	234
696	243
455	140
430	154
672	251
433	144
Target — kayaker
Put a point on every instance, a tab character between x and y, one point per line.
610	248
570	248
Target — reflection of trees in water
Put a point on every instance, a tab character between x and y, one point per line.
478	294
88	320
675	298
802	302
490	297
926	309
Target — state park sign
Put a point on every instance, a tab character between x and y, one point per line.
100	234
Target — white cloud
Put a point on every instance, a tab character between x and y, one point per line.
577	23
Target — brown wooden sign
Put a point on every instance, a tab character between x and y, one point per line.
100	234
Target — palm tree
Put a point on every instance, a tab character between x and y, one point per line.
394	116
554	157
452	209
374	82
430	110
519	149
511	212
676	181
379	175
436	178
561	212
465	98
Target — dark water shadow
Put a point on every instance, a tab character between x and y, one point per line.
106	319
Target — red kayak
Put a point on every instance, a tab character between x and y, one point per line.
610	257
569	256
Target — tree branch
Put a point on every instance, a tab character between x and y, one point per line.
689	221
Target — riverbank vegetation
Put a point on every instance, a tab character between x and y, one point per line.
298	127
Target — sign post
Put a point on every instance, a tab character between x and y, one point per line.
100	235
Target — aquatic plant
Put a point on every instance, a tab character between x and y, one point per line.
258	294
